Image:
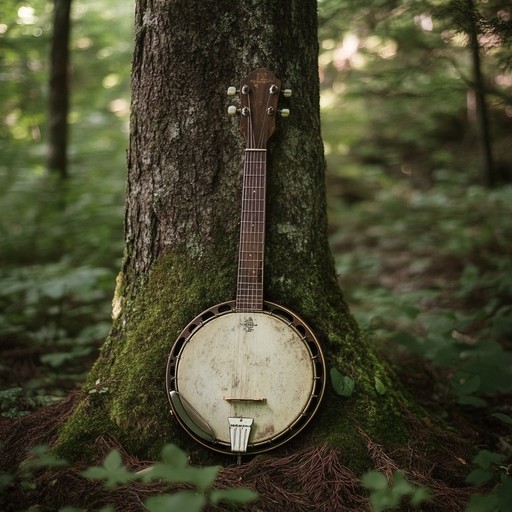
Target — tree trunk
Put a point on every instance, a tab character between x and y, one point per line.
58	104
182	224
482	117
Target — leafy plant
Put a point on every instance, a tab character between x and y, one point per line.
52	317
342	384
389	495
173	469
490	467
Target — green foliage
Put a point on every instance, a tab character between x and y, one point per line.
53	316
386	495
61	242
490	468
379	386
42	457
173	469
342	384
113	472
503	417
451	304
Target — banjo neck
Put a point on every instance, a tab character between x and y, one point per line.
259	96
249	292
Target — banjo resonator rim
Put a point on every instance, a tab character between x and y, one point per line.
296	426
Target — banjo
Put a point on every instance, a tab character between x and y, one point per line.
247	375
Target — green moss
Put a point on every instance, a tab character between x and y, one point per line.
132	406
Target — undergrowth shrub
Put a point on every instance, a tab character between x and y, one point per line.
182	487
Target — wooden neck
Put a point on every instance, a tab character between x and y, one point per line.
249	293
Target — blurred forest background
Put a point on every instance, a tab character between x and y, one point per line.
417	123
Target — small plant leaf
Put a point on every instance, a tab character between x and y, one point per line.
467	386
113	471
475	401
5	480
174	456
44	457
401	486
479	476
504	492
342	384
202	478
380	387
486	459
237	496
181	501
503	417
420	495
374	480
482	503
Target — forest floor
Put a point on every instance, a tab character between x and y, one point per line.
428	275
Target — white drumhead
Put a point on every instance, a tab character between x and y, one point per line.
253	356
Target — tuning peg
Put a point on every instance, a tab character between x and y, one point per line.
287	92
284	112
232	91
232	110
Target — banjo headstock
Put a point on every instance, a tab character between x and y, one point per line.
259	94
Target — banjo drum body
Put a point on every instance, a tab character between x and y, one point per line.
261	367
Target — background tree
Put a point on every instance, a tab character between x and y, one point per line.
58	90
414	56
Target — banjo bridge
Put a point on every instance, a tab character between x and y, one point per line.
235	399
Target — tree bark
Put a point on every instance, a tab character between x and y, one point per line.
182	214
482	116
58	93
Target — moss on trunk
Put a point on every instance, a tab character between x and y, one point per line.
125	398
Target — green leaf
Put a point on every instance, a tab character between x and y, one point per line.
420	495
475	401
237	496
202	478
486	459
383	500
401	487
467	386
504	492
113	471
482	503
374	480
380	387
43	457
182	501
479	476
5	480
503	417
343	385
174	456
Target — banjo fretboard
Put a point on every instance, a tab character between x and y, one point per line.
249	296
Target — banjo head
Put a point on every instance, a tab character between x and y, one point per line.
256	374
